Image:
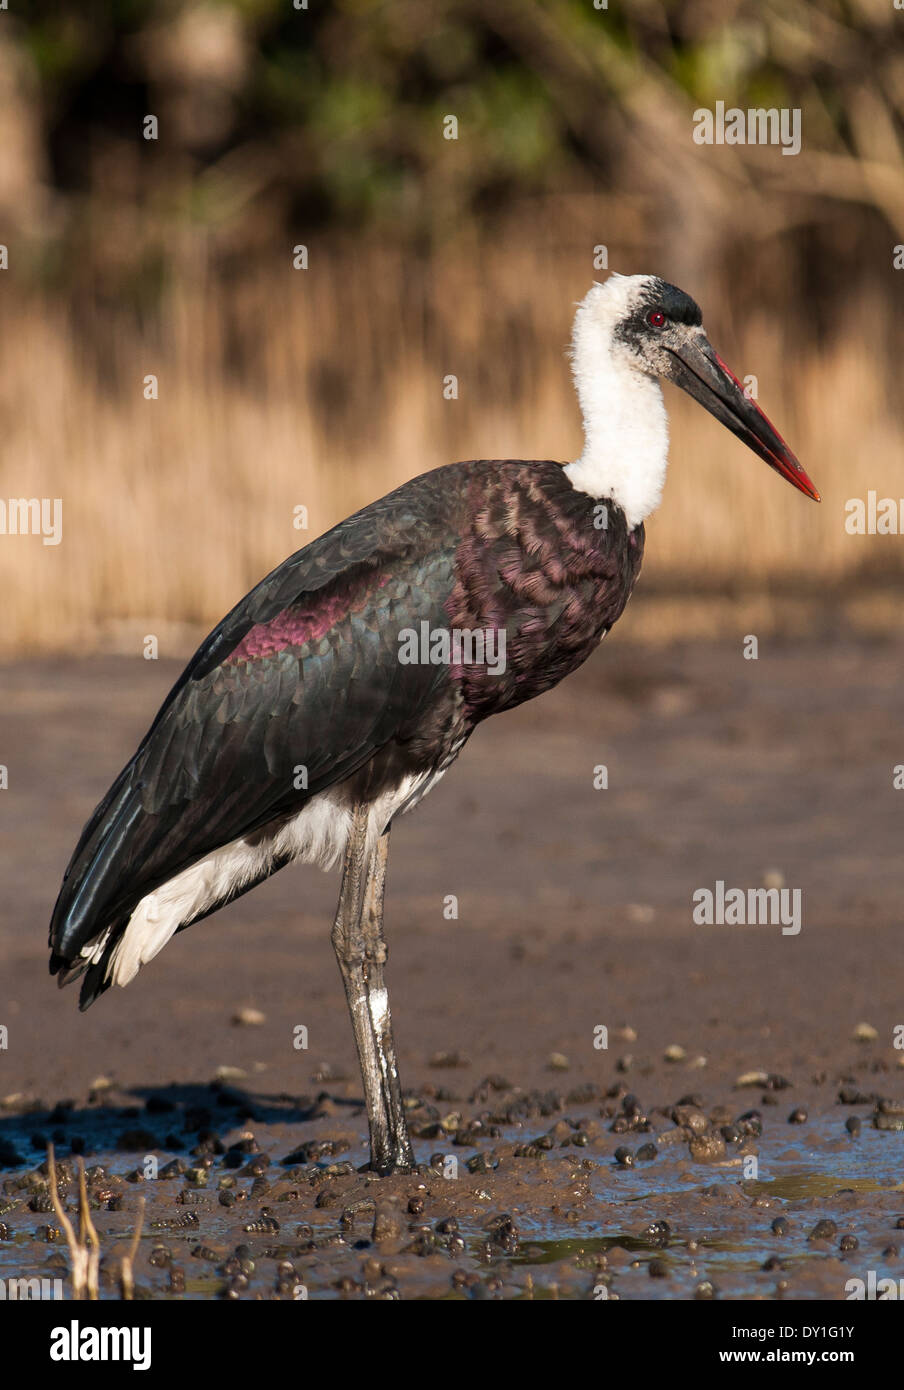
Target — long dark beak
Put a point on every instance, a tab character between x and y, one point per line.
699	370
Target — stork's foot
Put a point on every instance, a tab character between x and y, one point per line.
386	1167
390	1147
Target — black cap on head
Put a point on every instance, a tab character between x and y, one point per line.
675	304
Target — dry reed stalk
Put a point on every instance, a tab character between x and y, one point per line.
84	1249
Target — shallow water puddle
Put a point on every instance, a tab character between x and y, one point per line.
719	1224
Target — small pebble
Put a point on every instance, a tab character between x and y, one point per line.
689	1117
248	1018
448	1059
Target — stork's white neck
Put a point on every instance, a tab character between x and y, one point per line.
626	430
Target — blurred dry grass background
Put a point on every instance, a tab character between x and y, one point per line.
174	507
322	388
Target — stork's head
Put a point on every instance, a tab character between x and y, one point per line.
640	326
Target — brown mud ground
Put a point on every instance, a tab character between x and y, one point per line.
574	911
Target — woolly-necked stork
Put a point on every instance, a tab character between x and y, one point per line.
306	673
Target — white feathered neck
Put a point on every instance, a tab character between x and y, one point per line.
626	430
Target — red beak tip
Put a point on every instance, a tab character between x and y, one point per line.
808	487
801	481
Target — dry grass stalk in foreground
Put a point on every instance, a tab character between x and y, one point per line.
84	1249
126	1279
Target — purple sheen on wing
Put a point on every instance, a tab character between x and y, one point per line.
301	624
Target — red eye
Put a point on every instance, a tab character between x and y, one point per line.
656	317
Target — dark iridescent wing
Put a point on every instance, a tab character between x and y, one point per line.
304	672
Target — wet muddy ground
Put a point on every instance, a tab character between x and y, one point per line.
739	1058
538	1194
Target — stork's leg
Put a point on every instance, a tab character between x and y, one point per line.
361	952
376	951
